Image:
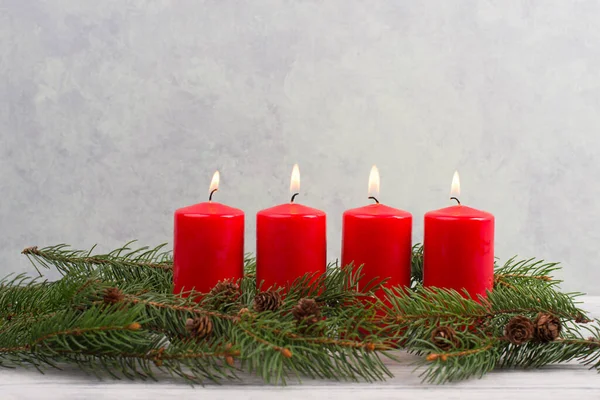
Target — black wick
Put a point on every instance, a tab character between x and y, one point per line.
374	198
211	193
455	198
293	197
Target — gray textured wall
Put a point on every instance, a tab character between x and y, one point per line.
114	113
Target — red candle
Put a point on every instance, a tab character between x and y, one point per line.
379	238
459	248
290	241
208	245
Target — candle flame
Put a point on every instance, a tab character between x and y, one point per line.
374	182
295	181
455	188
214	183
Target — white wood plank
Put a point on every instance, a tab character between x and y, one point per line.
560	380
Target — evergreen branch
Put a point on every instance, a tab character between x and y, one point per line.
101	339
461	365
574	346
442	304
116	313
177	307
338	286
152	266
416	265
27	297
134	326
525	273
463	353
544	278
530	300
369	346
284	351
52	254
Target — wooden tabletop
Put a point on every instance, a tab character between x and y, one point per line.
568	381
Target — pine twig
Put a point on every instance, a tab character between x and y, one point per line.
191	309
50	255
463	353
71	332
544	278
353	344
283	350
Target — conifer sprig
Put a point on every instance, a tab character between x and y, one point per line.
115	313
151	265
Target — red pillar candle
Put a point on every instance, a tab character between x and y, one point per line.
290	241
379	238
459	248
208	245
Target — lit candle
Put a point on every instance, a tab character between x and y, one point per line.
459	247
379	238
290	241
208	245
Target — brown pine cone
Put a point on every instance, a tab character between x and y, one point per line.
199	327
582	319
112	296
306	312
267	301
547	327
225	292
519	330
305	308
444	337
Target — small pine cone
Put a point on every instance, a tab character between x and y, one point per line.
582	319
306	308
444	338
225	292
112	296
267	301
306	312
199	327
519	330
547	327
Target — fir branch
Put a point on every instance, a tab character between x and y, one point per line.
153	266
110	340
283	350
416	265
574	346
116	313
328	341
526	273
176	304
338	286
462	364
134	326
530	300
324	355
442	304
463	353
25	297
57	254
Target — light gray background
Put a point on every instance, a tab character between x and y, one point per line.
115	113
